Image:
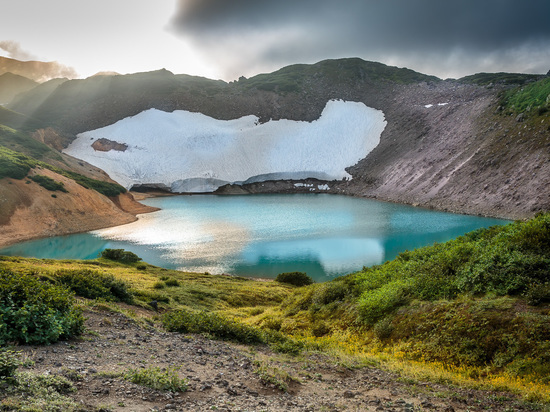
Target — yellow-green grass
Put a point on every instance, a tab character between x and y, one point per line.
198	291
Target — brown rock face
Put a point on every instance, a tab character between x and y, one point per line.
105	145
50	137
28	211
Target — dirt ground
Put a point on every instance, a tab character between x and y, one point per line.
224	376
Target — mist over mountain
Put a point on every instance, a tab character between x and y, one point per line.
36	70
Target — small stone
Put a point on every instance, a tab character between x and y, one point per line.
349	394
232	391
205	387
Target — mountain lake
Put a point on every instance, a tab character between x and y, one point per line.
263	235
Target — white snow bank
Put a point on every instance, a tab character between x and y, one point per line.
191	152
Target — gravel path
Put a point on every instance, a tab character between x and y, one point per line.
224	376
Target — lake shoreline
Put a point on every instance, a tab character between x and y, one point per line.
264	235
131	209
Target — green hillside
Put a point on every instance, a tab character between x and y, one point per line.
532	99
296	77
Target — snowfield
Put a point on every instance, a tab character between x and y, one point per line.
191	152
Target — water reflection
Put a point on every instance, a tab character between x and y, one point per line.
264	235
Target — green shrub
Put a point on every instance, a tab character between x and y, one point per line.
294	278
48	183
120	255
385	300
156	378
9	362
159	285
35	312
93	285
219	327
45	393
105	188
383	328
14	164
172	282
538	293
148	296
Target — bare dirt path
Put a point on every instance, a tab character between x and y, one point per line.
228	377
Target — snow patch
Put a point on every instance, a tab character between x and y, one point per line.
192	152
323	187
427	106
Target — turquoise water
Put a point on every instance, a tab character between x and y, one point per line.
263	235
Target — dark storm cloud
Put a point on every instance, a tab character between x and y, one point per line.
451	37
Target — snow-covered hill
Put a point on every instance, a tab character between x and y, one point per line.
191	152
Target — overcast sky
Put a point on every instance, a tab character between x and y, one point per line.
229	38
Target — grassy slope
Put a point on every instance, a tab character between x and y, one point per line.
533	98
485	79
295	78
474	310
19	153
196	291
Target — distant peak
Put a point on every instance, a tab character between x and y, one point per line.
106	73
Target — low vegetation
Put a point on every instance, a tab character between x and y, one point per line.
474	310
120	255
532	99
33	392
294	278
156	378
22	142
486	79
216	326
17	165
35	312
92	284
19	153
48	183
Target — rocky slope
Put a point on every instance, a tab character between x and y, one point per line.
445	146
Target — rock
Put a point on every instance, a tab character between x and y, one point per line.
232	391
520	117
105	145
206	386
349	394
